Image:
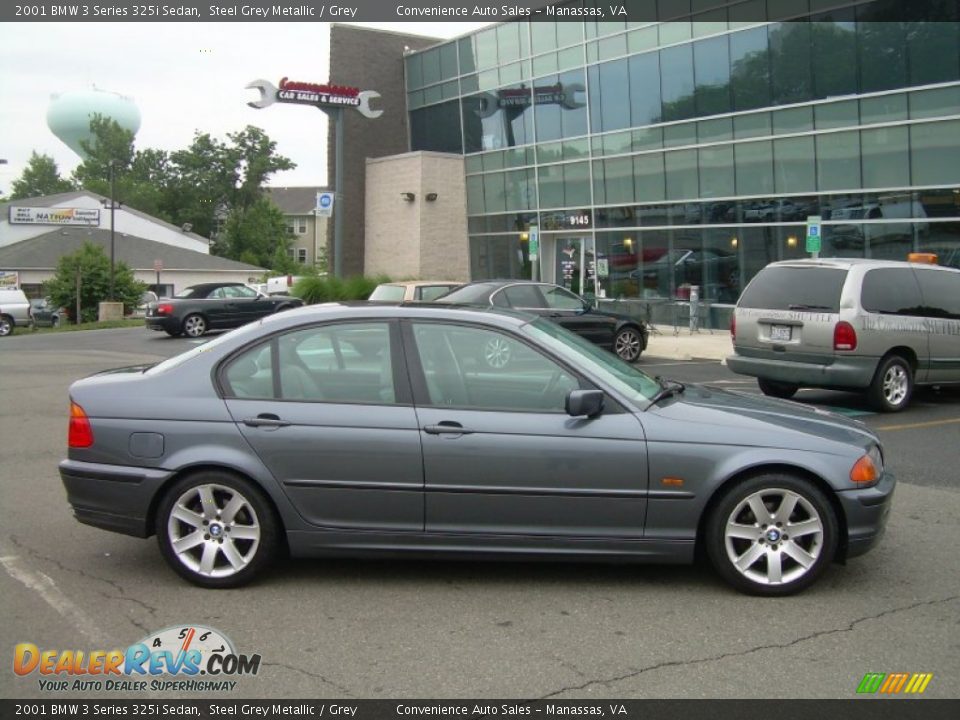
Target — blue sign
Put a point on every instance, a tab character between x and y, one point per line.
325	203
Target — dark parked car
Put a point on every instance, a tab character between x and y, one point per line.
624	335
213	306
46	314
284	435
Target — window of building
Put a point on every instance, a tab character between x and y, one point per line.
935	153
645	100
833	39
302	255
649	177
437	128
933	50
716	171
754	168
838	161
794	165
609	104
749	69
682	178
555	118
676	82
711	60
790	77
881	53
885	156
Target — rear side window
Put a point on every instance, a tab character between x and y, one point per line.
523	296
941	293
891	291
795	288
387	293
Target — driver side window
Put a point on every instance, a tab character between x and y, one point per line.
482	369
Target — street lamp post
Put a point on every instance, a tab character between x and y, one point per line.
113	243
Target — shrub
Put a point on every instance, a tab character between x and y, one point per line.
314	290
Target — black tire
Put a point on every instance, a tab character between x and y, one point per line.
55	321
776	389
892	385
194	325
214	544
628	344
761	546
6	325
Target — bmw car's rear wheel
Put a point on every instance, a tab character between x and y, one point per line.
216	529
772	535
628	344
194	326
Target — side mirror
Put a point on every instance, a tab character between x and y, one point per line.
584	402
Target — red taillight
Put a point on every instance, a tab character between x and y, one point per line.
844	336
733	327
165	309
80	434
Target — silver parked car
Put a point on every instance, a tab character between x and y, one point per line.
377	429
877	326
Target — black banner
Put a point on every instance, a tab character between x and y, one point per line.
424	11
859	709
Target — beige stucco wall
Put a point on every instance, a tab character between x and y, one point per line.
419	239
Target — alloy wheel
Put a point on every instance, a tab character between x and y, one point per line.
773	536
213	530
628	345
896	384
194	326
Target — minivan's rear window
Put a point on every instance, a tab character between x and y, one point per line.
795	288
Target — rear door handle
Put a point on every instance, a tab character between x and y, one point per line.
266	420
447	427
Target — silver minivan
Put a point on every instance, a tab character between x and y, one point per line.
878	326
14	311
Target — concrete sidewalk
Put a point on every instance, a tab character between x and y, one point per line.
703	345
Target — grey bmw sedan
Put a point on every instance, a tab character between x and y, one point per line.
380	430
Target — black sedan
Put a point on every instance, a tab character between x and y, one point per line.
213	306
46	314
624	335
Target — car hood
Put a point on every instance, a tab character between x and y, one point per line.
739	418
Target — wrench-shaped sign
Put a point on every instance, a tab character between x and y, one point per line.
269	94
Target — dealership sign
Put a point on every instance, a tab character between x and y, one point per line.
321	95
54	216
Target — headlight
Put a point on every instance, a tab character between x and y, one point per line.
868	469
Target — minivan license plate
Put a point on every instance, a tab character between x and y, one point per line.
780	332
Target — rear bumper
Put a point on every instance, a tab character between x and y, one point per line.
842	372
112	497
867	511
165	323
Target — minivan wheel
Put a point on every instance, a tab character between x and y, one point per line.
628	344
772	535
777	389
892	385
6	326
216	530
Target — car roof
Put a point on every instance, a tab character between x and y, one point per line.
360	310
847	263
418	283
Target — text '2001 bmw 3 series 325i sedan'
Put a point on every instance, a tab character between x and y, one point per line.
335	430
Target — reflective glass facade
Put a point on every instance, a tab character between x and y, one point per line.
690	151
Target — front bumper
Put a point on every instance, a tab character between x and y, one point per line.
867	511
112	497
841	372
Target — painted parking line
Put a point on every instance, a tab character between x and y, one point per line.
911	426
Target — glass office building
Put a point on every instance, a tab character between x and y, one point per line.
690	151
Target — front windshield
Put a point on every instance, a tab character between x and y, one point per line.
634	384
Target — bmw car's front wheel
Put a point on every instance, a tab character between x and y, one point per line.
772	535
216	529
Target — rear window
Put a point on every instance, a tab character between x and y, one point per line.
387	293
432	292
478	294
795	288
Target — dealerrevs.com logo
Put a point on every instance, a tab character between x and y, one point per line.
178	658
894	683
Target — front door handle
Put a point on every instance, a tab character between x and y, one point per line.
447	427
266	420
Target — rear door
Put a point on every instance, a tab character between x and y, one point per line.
502	457
941	294
790	310
328	410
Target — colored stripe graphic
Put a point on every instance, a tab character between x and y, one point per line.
894	683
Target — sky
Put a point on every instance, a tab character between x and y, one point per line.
183	77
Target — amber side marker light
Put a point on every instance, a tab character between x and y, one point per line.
80	434
671	481
864	471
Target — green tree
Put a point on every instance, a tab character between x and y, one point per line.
40	177
255	234
142	177
94	267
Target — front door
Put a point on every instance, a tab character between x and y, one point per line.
501	455
323	410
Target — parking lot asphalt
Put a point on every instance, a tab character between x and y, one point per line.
368	629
